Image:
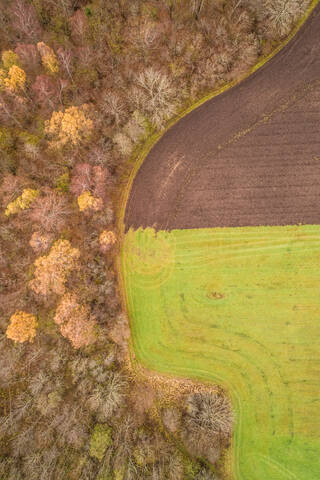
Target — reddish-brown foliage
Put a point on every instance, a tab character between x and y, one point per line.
78	25
11	188
81	178
75	321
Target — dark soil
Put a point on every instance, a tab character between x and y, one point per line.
250	156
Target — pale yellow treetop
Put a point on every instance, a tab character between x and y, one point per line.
71	126
48	58
86	201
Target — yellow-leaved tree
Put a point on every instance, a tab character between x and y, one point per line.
71	126
16	79
51	271
22	202
86	201
48	58
22	327
12	77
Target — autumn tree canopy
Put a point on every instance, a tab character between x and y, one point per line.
106	240
48	58
51	271
22	202
87	201
16	79
73	125
75	321
9	58
22	327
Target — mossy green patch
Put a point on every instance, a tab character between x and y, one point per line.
239	307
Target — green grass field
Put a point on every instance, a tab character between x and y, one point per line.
239	307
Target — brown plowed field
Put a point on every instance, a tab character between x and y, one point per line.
250	156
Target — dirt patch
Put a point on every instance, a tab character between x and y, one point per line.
250	156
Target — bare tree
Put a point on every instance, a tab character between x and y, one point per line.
106	399
113	106
50	212
278	16
25	19
154	95
45	90
65	57
123	143
79	25
7	107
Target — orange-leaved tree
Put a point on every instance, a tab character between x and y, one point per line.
22	327
52	270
